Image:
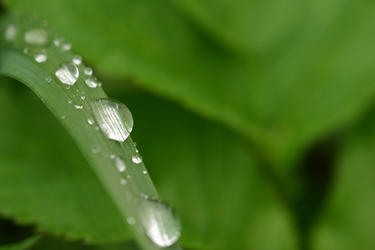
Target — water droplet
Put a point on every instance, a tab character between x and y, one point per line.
136	159
70	101
11	32
68	73
36	37
25	51
66	47
90	121
144	172
120	164
63	117
83	97
77	60
87	71
114	119
49	79
131	221
112	156
40	56
95	149
78	106
123	182
91	82
57	42
160	223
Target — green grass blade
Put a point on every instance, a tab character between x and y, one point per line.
72	105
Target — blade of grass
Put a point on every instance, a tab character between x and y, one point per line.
72	107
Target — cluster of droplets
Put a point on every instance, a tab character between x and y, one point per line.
115	121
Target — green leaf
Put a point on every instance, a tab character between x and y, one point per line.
23	245
63	87
48	243
348	220
314	75
49	183
203	170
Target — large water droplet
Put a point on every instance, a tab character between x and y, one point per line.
68	73
36	37
159	222
11	32
114	119
40	56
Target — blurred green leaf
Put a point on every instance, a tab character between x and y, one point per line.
23	245
315	74
48	243
43	177
348	221
226	204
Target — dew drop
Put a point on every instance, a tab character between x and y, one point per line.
131	221
77	60
159	222
123	182
25	51
120	164
95	149
63	117
78	106
91	82
83	97
36	37
57	42
49	79
113	118
40	56
136	159
87	71
90	121
11	32
66	47
68	73
144	172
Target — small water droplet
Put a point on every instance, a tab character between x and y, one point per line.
68	73
66	47
36	37
120	164
131	221
123	182
49	79
57	42
90	121
78	106
136	159
63	117
160	223
25	51
77	60
91	82
83	97
87	71
144	172
112	156
114	119
95	149
40	56
11	32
